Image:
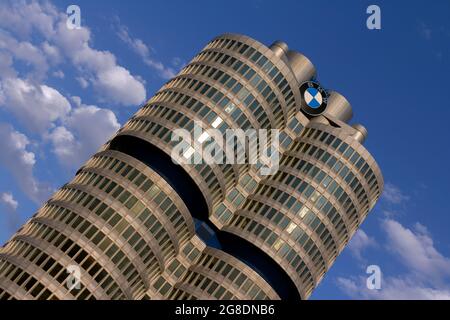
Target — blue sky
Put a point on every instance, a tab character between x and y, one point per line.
63	93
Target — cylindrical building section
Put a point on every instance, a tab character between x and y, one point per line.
280	49
134	224
338	107
305	214
302	68
234	83
360	134
118	221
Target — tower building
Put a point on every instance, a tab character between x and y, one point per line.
138	222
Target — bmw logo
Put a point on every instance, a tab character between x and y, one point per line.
314	98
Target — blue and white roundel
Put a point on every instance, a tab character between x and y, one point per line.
313	98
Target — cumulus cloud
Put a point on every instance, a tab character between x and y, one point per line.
7	199
116	84
360	242
35	43
112	82
425	31
427	270
6	65
58	74
393	288
415	249
37	106
52	53
393	195
138	46
25	52
25	17
83	132
10	205
423	273
20	162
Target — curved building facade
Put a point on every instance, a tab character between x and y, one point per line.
136	224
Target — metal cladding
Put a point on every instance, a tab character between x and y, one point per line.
338	107
134	224
361	133
280	48
302	68
320	119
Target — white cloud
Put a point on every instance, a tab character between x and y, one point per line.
112	82
10	207
393	194
415	249
26	52
64	144
353	288
177	62
52	52
392	288
84	131
25	17
20	162
116	84
360	242
6	65
425	31
83	82
7	199
426	273
138	46
34	35
76	100
58	74
36	106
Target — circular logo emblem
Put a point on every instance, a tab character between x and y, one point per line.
314	98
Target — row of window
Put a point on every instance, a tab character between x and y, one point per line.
26	282
307	169
297	210
204	170
139	123
48	265
189	252
282	249
252	79
219	100
241	281
69	248
145	184
106	242
258	59
337	167
129	225
306	190
161	132
248	183
243	95
348	153
117	253
140	241
320	203
212	265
